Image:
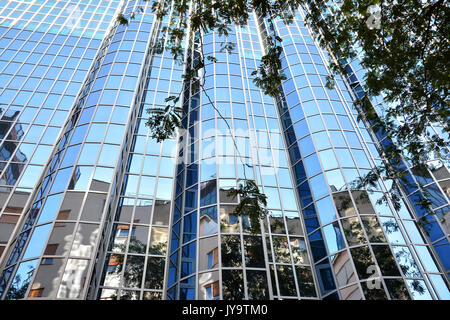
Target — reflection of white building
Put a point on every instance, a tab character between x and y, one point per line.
73	280
207	225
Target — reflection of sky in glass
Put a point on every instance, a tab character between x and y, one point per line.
50	208
392	230
428	261
23	275
164	189
37	241
440	286
406	262
326	210
103	174
419	290
333	237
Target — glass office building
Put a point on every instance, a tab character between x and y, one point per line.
92	207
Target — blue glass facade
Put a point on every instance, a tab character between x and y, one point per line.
92	207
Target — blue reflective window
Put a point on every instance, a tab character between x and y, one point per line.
89	153
333	237
208	169
296	113
103	113
191	199
284	177
268	176
310	108
96	132
328	159
321	140
317	245
299	172
134	163
61	179
312	165
21	280
330	121
37	241
30	176
441	286
361	158
78	134
115	133
273	198
80	178
165	188
226	167
437	199
326	210
288	199
335	180
304	193
392	230
120	114
345	122
71	155
345	158
108	155
315	123
352	139
324	106
306	146
50	208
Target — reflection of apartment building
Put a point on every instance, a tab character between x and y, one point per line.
11	215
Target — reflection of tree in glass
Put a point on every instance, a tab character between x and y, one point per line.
363	260
231	251
232	285
129	295
154	274
373	229
343	202
305	281
407	263
390	226
257	285
159	248
18	288
386	261
397	289
286	280
405	260
134	269
374	293
276	224
254	256
252	204
298	251
281	249
353	231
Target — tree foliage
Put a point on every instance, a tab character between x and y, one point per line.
402	45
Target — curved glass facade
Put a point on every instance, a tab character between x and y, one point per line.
94	208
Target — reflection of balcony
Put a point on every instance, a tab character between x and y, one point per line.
208	221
